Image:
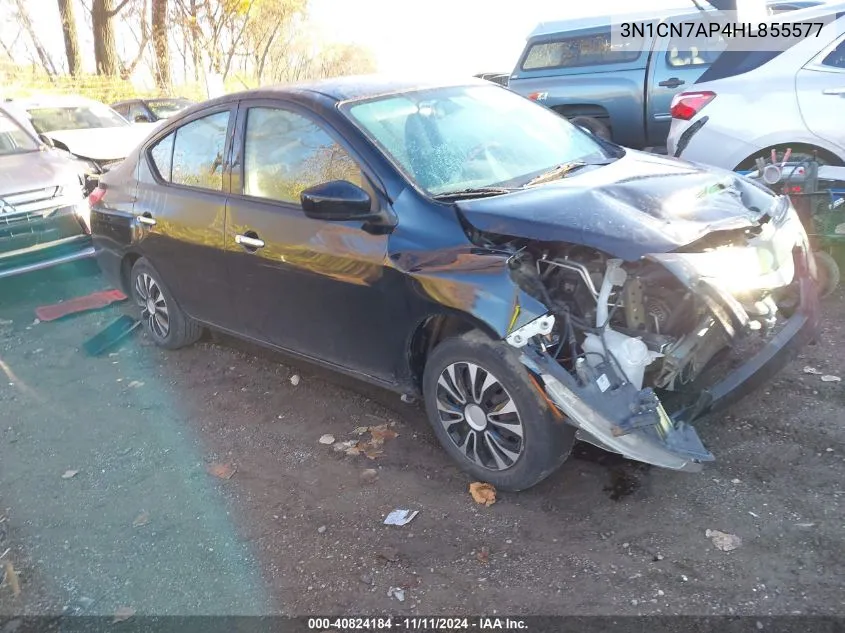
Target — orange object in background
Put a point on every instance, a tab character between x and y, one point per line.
94	301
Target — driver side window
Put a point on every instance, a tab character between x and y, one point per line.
286	152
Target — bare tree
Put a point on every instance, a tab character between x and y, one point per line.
161	44
68	17
26	23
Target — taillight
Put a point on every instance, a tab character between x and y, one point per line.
686	105
96	196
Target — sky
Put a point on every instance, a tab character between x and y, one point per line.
455	36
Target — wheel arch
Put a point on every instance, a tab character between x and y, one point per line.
126	265
828	154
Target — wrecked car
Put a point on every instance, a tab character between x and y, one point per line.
461	244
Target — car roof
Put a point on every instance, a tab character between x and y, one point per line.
55	101
355	87
554	27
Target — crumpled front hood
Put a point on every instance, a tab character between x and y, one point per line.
29	171
106	143
637	205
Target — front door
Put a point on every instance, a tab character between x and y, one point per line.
310	286
821	92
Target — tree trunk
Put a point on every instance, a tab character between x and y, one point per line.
74	57
161	44
195	41
24	20
105	50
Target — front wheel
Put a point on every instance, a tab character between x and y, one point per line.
162	318
489	416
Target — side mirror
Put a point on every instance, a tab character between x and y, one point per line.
142	118
337	200
46	140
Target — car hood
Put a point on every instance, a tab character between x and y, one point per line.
106	143
34	170
639	204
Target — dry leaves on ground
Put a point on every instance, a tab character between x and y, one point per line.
222	471
372	447
12	579
483	555
483	493
723	541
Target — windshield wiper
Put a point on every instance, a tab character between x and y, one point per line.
562	171
473	192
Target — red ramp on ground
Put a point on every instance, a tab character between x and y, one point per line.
94	301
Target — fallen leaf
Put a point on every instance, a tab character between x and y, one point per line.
390	554
361	430
483	555
812	370
382	433
70	474
141	519
829	378
122	614
12	578
326	439
344	446
372	452
354	450
723	541
483	493
222	471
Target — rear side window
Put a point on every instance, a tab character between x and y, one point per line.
693	51
587	50
162	156
836	57
286	153
198	152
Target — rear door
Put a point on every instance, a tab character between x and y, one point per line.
821	91
180	212
677	61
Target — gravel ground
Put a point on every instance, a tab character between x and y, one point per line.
297	528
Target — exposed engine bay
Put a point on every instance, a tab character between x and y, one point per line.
641	342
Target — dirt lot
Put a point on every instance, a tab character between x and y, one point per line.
143	525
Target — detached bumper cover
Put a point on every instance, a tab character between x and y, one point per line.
634	423
47	255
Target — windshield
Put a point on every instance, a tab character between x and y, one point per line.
450	139
82	117
165	108
13	139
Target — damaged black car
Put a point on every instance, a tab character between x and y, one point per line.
458	243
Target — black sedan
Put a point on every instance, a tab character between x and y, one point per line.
462	244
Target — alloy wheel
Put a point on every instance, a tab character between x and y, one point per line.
479	415
150	299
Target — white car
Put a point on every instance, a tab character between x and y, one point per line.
751	102
94	134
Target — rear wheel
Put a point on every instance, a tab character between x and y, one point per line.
489	416
162	318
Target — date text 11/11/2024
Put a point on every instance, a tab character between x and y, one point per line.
417	624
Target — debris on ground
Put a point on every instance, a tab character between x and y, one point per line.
483	493
321	529
373	447
294	380
390	554
805	525
222	471
111	335
93	301
122	614
342	447
396	592
366	579
12	578
830	378
483	555
327	439
400	517
369	475
141	520
812	370
70	474
135	384
723	541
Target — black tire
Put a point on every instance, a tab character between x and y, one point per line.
595	126
546	440
828	273
180	330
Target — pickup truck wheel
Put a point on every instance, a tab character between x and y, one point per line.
162	318
489	416
592	125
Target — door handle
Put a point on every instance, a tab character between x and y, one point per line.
674	82
834	91
145	219
249	242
